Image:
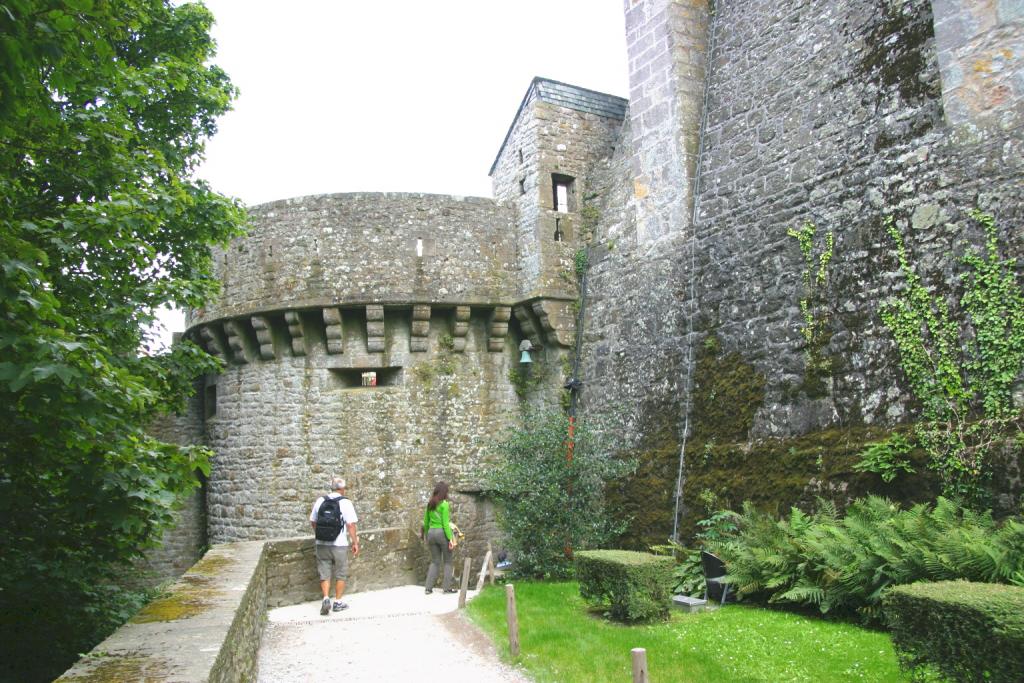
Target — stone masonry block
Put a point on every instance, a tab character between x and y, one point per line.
460	326
294	322
333	330
264	336
420	328
498	328
236	337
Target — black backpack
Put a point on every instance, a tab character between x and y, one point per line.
329	520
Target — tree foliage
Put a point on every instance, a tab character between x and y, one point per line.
550	506
104	111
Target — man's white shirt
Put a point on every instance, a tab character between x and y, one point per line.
348	512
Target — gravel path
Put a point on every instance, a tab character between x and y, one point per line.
399	634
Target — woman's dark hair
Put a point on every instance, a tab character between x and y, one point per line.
440	493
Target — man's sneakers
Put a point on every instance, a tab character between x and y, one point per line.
326	606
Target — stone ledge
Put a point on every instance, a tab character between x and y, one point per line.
208	626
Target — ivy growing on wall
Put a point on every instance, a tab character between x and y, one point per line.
961	368
814	312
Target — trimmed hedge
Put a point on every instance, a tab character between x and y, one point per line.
635	586
969	631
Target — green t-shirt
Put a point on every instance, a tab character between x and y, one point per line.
438	518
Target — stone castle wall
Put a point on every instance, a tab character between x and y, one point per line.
558	130
184	543
414	288
821	111
282	428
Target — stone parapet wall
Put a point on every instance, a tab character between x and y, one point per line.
208	625
366	248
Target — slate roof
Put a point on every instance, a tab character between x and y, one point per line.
571	97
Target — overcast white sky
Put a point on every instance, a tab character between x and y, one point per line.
393	95
399	95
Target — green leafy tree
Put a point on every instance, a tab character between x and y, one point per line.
104	111
961	368
550	506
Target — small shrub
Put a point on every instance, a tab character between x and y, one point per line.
634	586
969	631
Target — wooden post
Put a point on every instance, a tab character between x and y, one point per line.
513	620
490	562
483	571
640	665
466	566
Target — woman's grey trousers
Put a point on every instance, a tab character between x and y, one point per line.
437	542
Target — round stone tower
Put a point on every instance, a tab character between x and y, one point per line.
365	335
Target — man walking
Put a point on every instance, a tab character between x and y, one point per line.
331	517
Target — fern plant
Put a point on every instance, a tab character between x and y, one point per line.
844	564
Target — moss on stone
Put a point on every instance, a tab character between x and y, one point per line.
184	601
647	498
726	393
118	668
211	565
900	63
776	474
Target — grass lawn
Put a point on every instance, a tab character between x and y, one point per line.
562	641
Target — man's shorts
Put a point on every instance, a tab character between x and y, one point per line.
332	562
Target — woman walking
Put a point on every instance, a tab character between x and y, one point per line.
437	530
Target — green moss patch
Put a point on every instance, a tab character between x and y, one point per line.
192	599
211	566
727	391
647	497
776	474
116	669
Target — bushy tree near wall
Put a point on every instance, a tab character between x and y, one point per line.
104	110
549	506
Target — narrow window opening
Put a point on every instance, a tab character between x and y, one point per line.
210	401
520	156
366	378
558	229
419	247
563	193
522	186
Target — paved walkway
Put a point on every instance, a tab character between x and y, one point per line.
394	635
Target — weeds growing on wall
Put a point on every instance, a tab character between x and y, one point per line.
961	368
813	310
549	505
886	458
